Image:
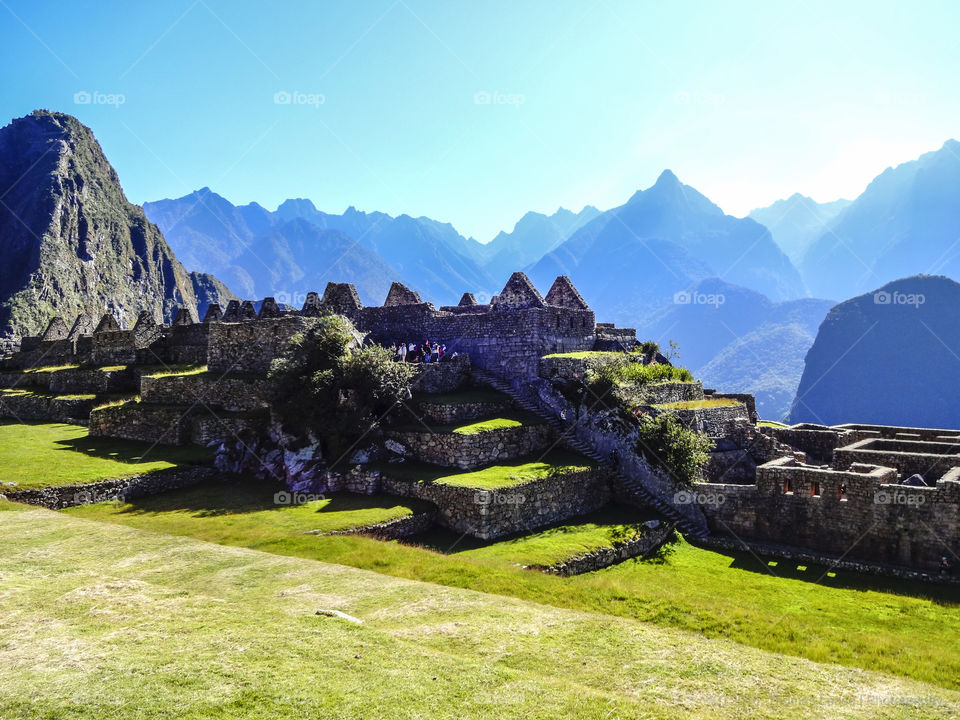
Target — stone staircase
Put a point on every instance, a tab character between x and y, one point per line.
631	489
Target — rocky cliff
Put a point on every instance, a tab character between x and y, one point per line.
69	238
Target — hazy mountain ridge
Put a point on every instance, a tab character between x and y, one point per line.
797	222
631	260
428	255
906	222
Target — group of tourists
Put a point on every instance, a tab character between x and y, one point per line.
426	352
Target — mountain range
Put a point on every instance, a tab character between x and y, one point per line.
797	222
906	222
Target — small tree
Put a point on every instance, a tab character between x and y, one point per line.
665	442
322	385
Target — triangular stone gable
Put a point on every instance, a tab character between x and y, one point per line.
269	309
247	310
56	329
145	321
232	313
400	294
468	300
108	323
82	326
342	299
311	306
519	292
564	294
213	314
185	316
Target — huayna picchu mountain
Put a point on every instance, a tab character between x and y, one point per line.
70	239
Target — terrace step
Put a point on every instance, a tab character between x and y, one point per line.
634	492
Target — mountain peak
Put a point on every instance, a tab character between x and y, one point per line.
667	179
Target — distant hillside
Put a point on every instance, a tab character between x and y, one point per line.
534	235
213	234
630	261
797	222
906	222
69	238
737	339
889	356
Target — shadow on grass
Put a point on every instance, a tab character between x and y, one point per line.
840	579
249	495
133	452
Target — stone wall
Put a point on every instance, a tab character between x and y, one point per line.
860	512
123	489
714	422
443	414
251	346
476	450
161	424
649	541
491	514
817	442
206	389
931	460
394	529
207	429
444	376
49	408
90	380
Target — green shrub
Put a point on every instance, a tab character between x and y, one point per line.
649	348
664	442
321	385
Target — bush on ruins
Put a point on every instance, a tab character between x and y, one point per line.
663	441
325	385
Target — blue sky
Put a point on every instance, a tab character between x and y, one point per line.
475	113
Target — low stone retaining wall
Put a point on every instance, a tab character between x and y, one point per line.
490	514
46	407
472	451
229	393
91	380
600	558
664	392
162	424
714	422
444	414
123	489
207	428
394	529
444	376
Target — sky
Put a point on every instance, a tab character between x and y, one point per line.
475	113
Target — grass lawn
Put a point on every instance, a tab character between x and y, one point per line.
900	628
696	404
514	418
36	455
127	624
176	371
586	354
495	477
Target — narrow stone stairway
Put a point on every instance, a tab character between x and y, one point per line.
634	492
